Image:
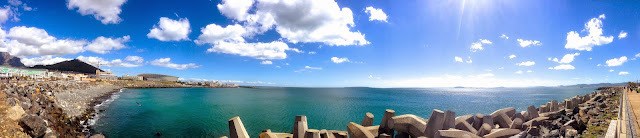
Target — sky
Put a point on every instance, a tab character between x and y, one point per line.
336	43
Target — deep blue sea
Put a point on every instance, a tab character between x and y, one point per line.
204	112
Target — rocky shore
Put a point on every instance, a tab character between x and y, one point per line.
580	116
57	108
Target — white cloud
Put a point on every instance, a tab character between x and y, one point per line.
622	34
527	43
529	71
113	63
266	62
103	45
616	61
134	59
458	59
563	67
313	68
623	73
272	50
106	11
512	56
235	9
637	55
42	60
18	3
504	36
469	61
312	52
300	21
166	62
376	14
339	60
476	46
213	33
519	72
30	41
594	38
373	77
599	65
526	63
568	58
171	30
611	70
5	14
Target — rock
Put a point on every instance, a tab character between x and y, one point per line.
97	136
463	123
449	120
384	125
312	133
359	131
384	135
402	135
502	132
570	133
502	118
552	134
33	125
534	122
435	123
455	133
300	126
408	124
368	120
15	112
236	128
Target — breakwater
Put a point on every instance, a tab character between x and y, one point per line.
584	115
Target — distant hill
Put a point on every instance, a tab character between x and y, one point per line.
9	60
74	65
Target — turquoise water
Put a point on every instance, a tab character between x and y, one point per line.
204	112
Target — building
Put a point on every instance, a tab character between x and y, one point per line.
135	78
157	77
20	72
105	75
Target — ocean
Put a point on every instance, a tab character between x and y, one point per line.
204	112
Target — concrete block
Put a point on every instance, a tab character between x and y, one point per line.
402	135
409	124
384	125
455	133
502	133
449	120
368	120
484	129
236	128
464	123
326	134
554	106
477	122
359	131
300	126
384	135
312	133
532	112
435	123
516	123
502	118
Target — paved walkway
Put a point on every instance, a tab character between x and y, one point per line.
630	113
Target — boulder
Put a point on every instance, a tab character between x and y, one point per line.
409	124
449	120
300	126
534	122
97	136
368	120
455	133
502	133
435	123
33	125
312	133
502	117
464	123
236	128
384	125
15	112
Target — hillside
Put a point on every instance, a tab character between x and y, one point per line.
9	60
74	65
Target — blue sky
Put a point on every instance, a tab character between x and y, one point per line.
327	43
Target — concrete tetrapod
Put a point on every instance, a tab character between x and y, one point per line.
455	133
449	120
463	123
503	116
501	133
358	131
435	123
300	126
326	134
236	128
408	125
532	112
312	133
384	125
368	120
